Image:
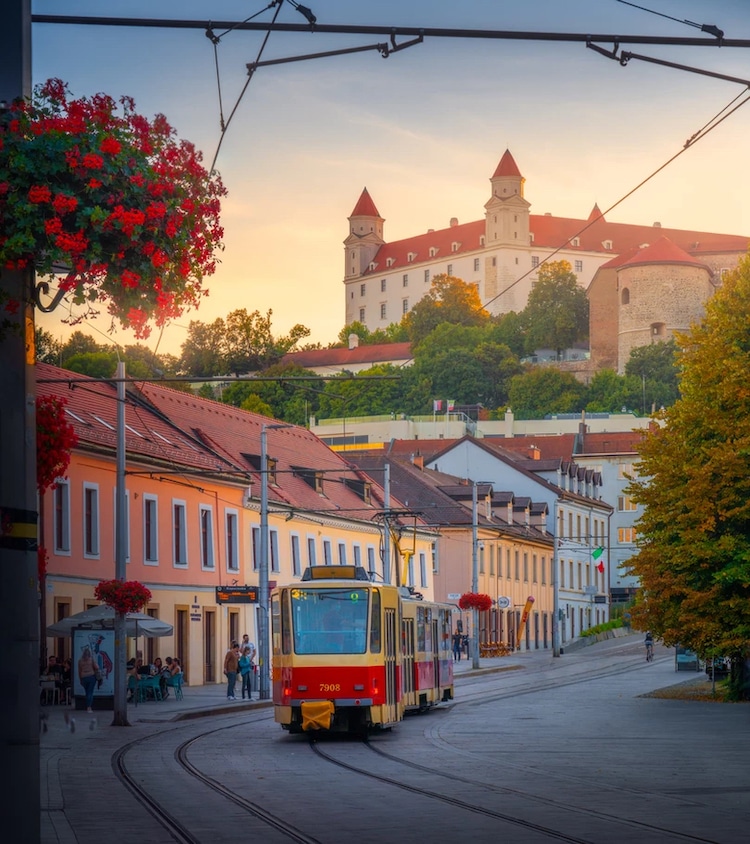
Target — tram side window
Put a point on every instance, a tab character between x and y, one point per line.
275	624
375	622
286	625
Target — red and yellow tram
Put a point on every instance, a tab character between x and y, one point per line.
351	655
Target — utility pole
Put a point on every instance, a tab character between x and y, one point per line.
555	582
387	528
474	578
121	526
19	581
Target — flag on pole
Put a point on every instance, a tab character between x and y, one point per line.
595	554
451	405
437	405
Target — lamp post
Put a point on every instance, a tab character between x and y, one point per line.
555	586
263	639
474	578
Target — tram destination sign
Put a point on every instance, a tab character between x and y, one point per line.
236	594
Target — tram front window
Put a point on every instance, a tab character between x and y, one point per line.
329	621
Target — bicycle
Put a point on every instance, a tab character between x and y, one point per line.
649	652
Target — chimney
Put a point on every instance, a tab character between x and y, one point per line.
657	225
534	453
353	341
418	461
454	222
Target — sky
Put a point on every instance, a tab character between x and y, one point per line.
423	130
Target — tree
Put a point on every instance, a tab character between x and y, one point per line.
694	482
544	389
48	350
94	364
394	333
202	352
609	392
291	401
249	345
557	312
655	366
449	299
79	343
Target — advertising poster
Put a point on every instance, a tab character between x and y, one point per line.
101	643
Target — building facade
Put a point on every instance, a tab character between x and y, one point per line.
499	253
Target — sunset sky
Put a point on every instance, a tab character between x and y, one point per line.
423	130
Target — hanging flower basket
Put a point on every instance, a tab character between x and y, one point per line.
475	601
55	438
123	595
110	202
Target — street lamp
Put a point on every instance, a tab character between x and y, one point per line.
555	585
263	639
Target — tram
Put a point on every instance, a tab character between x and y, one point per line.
351	655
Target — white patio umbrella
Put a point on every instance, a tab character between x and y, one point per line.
99	617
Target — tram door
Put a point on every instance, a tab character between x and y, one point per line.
435	655
407	665
390	639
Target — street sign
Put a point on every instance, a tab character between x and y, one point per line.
503	602
454	596
590	590
236	594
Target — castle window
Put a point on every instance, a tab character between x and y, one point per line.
476	265
405	280
579	266
404	306
607	244
362	315
534	260
410	257
382	285
362	289
576	241
481	240
625	296
383	310
372	265
427	276
454	246
658	329
494	261
450	269
390	262
433	251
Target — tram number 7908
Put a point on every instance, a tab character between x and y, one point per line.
330	687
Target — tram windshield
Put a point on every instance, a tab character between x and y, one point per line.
329	621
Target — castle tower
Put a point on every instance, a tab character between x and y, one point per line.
365	237
506	211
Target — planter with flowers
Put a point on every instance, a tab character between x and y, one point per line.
123	213
475	601
123	596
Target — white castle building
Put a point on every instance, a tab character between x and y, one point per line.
499	254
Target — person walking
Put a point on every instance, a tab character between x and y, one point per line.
246	672
88	670
231	667
457	645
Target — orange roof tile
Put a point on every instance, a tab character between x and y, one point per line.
507	166
365	207
664	251
377	353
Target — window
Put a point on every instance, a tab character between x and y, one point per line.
562	573
405	280
626	536
327	558
383	311
427	276
579	266
362	315
544	571
410	572
534	261
625	296
311	554
405	306
507	563
90	520
492	560
207	536
357	555
370	559
231	540
476	265
296	567
494	261
255	538
422	569
382	285
62	517
435	558
362	289
525	567
179	533
481	557
576	241
150	529
273	549
625	502
342	553
516	571
533	568
127	523
433	251
450	269
625	471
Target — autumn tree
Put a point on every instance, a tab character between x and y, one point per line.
449	299
694	482
557	312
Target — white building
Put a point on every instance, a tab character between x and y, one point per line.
499	253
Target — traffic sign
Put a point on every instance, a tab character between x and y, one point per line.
503	602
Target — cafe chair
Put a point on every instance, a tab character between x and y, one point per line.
176	684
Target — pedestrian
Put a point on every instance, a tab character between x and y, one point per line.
88	674
246	672
457	643
231	666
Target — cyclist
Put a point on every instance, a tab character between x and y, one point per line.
649	643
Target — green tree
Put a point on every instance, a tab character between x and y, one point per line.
609	392
77	344
557	312
655	366
694	483
94	364
449	299
48	350
394	333
544	389
202	352
249	345
255	404
367	394
288	400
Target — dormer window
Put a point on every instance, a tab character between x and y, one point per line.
362	488
311	477
576	241
433	251
481	240
372	265
455	246
607	244
390	262
410	256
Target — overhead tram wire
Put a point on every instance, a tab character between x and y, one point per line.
710	28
